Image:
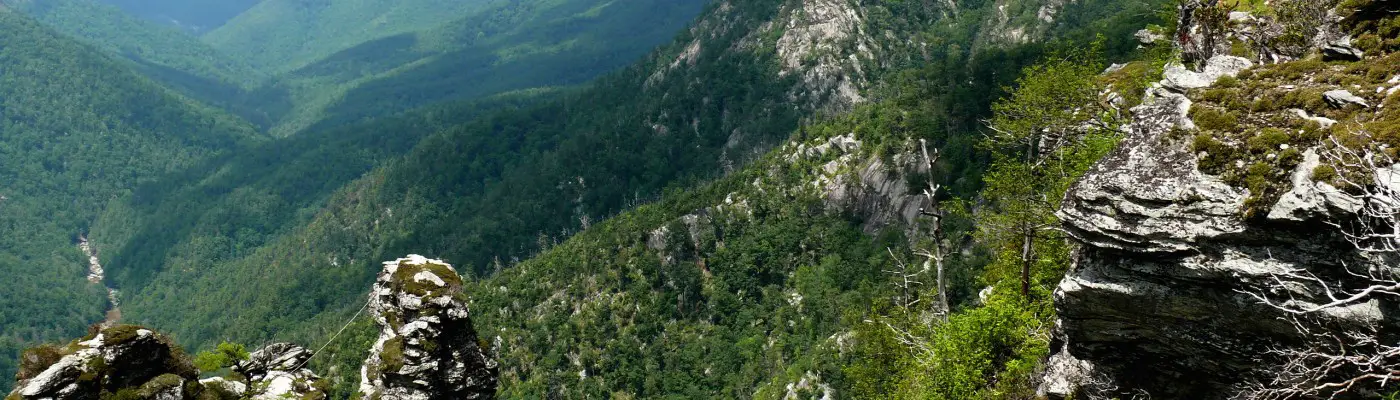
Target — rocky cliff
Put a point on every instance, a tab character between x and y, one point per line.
1209	237
427	349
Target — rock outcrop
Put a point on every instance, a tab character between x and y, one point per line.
427	347
131	362
1161	296
126	359
278	372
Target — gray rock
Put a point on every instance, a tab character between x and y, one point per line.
1323	121
1156	299
278	372
1309	200
1147	37
1343	98
1149	197
1342	50
427	346
131	358
1065	376
1180	79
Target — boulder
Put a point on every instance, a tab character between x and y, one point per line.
1147	37
427	347
1324	122
1342	50
1309	200
1180	79
1343	98
1158	298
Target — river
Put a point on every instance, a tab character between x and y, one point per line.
97	275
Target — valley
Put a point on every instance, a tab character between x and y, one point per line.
773	199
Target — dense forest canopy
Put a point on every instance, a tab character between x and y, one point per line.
630	187
78	129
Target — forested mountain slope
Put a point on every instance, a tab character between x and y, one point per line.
486	193
499	47
279	36
505	46
77	129
165	54
192	15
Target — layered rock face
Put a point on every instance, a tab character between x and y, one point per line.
427	347
1162	297
1159	298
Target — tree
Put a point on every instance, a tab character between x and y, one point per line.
1039	133
222	357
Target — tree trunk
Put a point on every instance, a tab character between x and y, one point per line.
942	285
1026	241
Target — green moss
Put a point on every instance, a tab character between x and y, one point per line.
403	279
35	360
159	384
119	334
1227	82
1324	173
1208	118
1217	154
391	359
1268	140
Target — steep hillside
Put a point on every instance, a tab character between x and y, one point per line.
192	15
165	54
497	189
77	129
283	35
506	46
502	47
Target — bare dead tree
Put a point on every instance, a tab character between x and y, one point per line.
906	280
1356	361
939	250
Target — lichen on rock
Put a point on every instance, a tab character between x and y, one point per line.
427	347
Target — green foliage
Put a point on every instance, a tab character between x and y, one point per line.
280	240
223	356
194	15
77	129
1049	97
994	350
279	36
1302	20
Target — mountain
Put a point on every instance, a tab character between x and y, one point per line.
77	129
168	55
503	47
795	199
192	15
217	260
279	36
